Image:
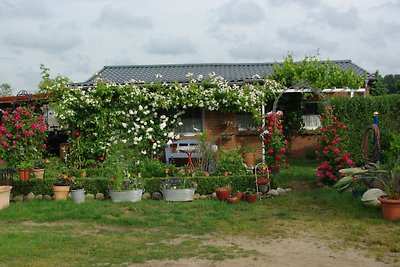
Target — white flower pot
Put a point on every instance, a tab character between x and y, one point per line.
5	196
78	196
127	195
178	194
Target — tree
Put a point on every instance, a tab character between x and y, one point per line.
5	89
393	83
318	74
379	87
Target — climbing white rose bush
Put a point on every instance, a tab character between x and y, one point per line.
140	114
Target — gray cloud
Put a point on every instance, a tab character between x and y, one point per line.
346	20
170	46
254	51
303	3
24	9
238	12
122	18
46	42
295	36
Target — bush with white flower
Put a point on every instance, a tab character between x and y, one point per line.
143	115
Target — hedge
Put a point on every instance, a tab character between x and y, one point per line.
357	114
205	185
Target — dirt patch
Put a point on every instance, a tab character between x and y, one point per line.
282	252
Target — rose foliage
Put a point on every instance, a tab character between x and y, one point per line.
22	135
330	150
274	142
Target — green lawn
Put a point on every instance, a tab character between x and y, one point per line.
42	233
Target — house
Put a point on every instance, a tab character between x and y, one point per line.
227	129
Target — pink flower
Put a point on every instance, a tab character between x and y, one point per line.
18	126
4	144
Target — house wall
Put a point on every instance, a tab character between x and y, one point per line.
218	123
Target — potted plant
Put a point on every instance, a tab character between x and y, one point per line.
250	196
61	187
38	169
24	170
77	191
178	189
233	199
4	196
223	192
388	178
123	187
263	184
249	155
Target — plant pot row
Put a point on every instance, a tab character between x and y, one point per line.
224	194
25	175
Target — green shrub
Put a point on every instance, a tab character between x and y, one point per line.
205	185
357	114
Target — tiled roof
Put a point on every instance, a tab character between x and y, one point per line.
232	72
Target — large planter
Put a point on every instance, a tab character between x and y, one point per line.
223	193
78	195
24	175
178	194
61	192
5	196
38	173
126	196
250	198
249	159
390	208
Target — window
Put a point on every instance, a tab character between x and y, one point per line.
192	122
311	116
245	122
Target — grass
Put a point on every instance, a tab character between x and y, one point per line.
63	233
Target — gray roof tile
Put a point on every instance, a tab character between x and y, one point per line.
232	72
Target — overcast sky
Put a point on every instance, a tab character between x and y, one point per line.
77	38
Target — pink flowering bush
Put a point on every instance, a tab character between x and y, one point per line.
22	135
330	151
274	142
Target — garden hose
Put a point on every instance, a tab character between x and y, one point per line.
376	149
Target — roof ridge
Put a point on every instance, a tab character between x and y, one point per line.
213	64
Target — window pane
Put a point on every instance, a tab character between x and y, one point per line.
245	122
192	122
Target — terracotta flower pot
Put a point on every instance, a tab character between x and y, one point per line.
232	199
60	192
38	173
223	193
250	198
24	175
390	208
239	195
249	159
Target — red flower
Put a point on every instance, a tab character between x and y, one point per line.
77	134
270	151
